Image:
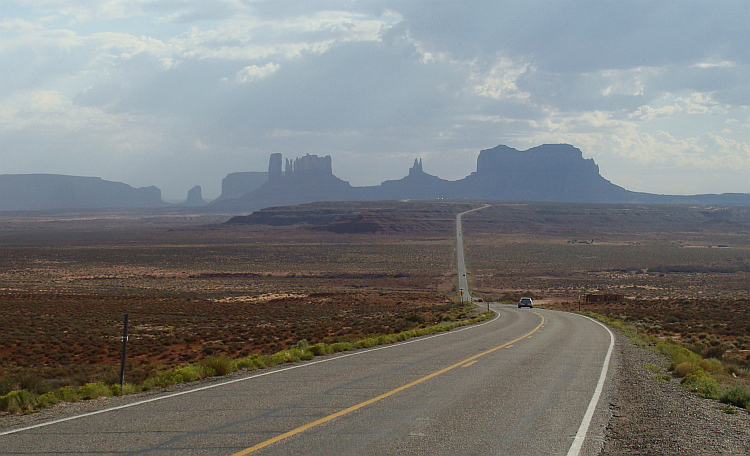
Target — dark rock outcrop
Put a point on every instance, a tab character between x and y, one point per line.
305	180
195	197
309	167
54	191
236	185
416	185
551	172
274	167
356	217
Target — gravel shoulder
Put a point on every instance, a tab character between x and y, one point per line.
653	418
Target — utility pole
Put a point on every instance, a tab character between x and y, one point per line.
124	348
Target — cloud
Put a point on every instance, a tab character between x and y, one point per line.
256	73
87	10
670	105
500	82
633	84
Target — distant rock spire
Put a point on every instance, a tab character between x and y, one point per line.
195	197
417	168
274	167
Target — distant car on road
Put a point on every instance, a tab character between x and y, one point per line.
525	302
480	300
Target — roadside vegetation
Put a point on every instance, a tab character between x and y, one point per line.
726	380
205	300
23	400
681	272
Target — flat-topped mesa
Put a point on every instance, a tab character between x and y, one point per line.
308	166
54	191
236	185
551	172
552	158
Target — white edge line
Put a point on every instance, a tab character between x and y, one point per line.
575	448
262	374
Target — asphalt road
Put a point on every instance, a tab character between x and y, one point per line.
463	283
525	383
517	385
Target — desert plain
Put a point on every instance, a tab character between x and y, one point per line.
195	286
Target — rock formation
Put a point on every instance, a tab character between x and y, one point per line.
305	180
551	172
195	197
274	167
237	184
309	166
416	185
54	191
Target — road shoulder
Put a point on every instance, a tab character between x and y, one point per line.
649	417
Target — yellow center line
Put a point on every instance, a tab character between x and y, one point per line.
332	416
469	364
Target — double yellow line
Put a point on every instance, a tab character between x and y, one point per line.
320	421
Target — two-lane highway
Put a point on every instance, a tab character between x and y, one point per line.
463	283
525	383
519	384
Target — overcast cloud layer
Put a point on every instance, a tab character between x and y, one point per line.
177	93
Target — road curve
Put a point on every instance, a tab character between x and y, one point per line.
527	382
520	384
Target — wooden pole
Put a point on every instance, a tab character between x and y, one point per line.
124	349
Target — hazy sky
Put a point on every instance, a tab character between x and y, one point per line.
177	93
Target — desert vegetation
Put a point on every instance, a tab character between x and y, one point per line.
206	298
198	293
681	276
27	393
712	376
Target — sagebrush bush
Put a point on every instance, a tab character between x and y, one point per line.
684	369
94	391
47	400
678	354
251	362
342	346
221	365
282	357
17	401
702	384
366	343
188	373
320	349
736	395
713	366
67	394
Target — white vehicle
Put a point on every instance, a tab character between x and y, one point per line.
525	302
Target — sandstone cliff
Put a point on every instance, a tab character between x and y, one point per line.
235	185
551	172
195	197
53	191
